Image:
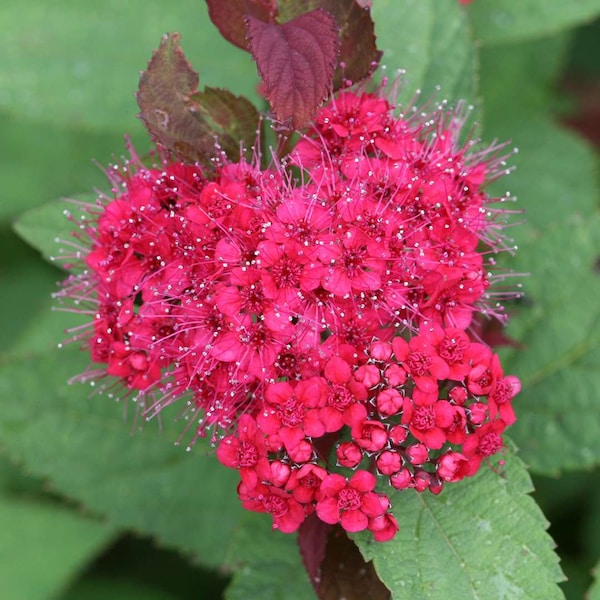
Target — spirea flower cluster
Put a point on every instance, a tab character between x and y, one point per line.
315	316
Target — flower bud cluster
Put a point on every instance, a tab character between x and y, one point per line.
417	415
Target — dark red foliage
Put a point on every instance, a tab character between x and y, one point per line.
295	61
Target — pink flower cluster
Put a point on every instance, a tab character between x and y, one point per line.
328	296
417	414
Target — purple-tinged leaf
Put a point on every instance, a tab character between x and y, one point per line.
232	119
296	62
186	122
229	16
312	541
358	49
345	574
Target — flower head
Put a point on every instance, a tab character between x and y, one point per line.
300	316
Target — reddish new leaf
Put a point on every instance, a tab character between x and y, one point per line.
232	119
345	574
230	17
312	541
296	62
184	121
358	50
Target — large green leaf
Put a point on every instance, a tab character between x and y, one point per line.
267	564
522	76
79	63
559	406
44	544
431	40
558	245
43	547
483	539
140	481
498	21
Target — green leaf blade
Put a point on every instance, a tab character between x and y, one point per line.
44	544
267	564
431	40
141	482
482	538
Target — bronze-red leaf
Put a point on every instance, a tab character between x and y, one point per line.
358	49
312	541
345	574
296	62
230	17
186	122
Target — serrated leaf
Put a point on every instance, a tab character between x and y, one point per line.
482	538
139	481
431	40
500	21
232	119
358	50
312	542
295	61
187	122
267	563
229	16
559	325
555	185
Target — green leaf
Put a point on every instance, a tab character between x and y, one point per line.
101	588
554	173
482	538
557	322
559	325
25	287
43	547
431	40
43	544
499	21
522	77
71	62
555	185
594	591
141	481
553	177
267	563
48	228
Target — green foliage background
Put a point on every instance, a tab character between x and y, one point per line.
88	510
